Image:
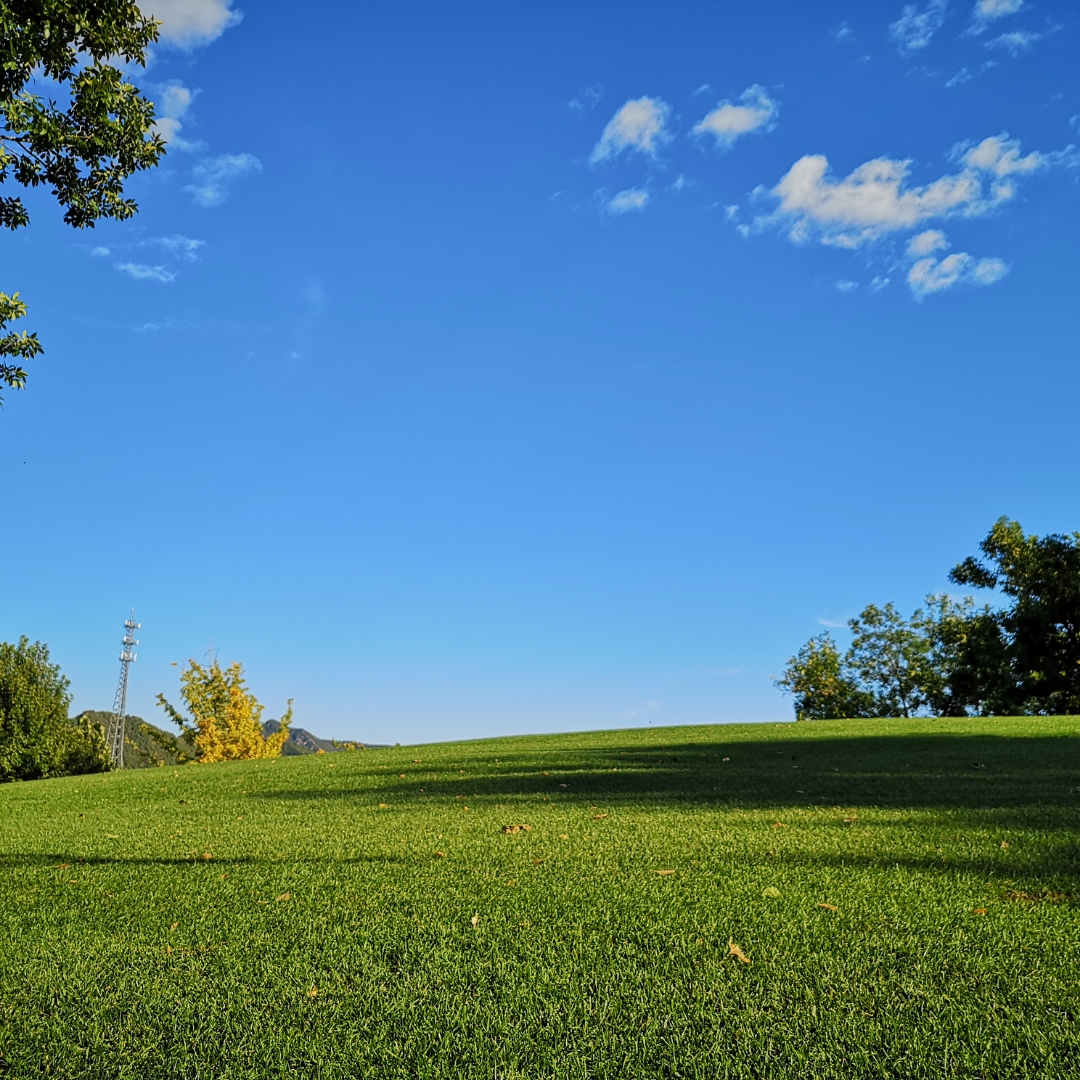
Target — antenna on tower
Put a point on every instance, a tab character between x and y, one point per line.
115	734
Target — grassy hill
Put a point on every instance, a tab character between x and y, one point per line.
907	894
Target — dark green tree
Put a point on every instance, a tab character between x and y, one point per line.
893	667
82	149
1025	658
36	737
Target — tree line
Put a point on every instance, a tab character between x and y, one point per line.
952	657
38	740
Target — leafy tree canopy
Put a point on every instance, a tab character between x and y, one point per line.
86	146
1025	658
36	737
952	658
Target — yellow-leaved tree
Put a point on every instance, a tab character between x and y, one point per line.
226	720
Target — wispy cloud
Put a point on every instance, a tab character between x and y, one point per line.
876	198
213	177
1015	42
833	624
930	275
173	101
916	26
181	246
729	121
842	31
986	12
845	286
586	99
641	124
147	273
627	201
99	251
187	24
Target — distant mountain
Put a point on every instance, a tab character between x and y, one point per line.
300	741
144	744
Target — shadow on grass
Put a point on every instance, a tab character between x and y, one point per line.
67	860
945	771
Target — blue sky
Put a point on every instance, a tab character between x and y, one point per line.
499	367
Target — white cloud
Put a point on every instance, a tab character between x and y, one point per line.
182	246
930	276
832	624
926	243
1016	42
189	23
728	122
626	201
914	29
987	11
641	124
147	273
842	31
100	251
213	176
875	199
174	100
679	183
845	286
879	283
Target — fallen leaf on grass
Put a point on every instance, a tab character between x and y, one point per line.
598	817
383	806
168	950
416	761
516	828
779	825
174	926
283	898
978	911
563	836
734	950
61	866
537	862
1004	843
224	876
772	890
401	776
206	856
313	992
829	907
664	873
440	854
850	820
475	920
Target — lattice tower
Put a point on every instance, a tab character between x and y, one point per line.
115	734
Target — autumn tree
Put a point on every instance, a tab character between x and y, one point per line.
225	721
84	148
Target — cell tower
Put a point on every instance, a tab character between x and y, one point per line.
115	734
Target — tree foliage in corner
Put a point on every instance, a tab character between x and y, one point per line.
225	719
37	739
953	659
83	149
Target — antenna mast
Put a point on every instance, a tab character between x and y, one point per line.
115	734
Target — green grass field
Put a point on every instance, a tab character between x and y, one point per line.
364	914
